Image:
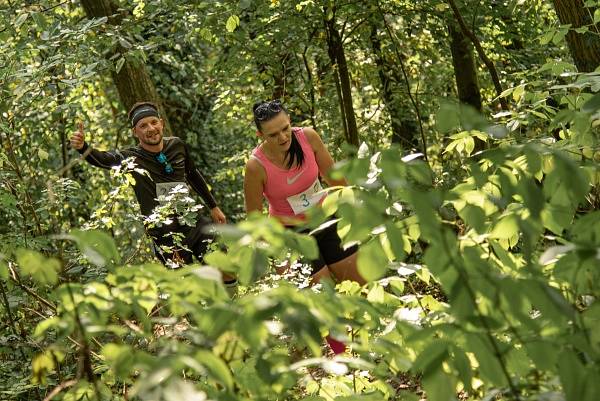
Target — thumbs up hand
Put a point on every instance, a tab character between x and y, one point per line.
78	137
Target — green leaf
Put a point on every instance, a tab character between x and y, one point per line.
489	365
216	368
556	218
506	228
431	358
447	117
596	16
120	358
396	240
543	354
592	104
42	154
97	246
533	196
474	216
372	262
376	295
572	375
40	20
244	4
41	365
253	264
544	40
518	92
439	386
21	19
219	259
232	23
40	268
46	325
119	64
306	244
463	366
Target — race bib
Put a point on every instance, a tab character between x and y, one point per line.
307	199
164	189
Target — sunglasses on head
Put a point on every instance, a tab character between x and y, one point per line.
267	110
162	159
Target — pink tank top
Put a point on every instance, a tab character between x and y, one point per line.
291	192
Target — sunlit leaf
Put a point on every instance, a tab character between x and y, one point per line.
42	269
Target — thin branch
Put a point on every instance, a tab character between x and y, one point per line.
28	290
55	6
60	388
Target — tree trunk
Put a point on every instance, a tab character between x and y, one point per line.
465	72
403	129
338	59
480	51
132	81
584	47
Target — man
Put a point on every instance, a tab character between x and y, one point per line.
166	168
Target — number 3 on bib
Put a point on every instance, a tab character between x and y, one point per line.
307	199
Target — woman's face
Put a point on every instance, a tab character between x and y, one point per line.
277	132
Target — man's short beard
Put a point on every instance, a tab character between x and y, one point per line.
147	142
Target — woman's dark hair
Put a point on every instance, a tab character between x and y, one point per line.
265	111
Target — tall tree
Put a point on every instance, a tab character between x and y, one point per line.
132	80
480	51
338	59
584	47
465	72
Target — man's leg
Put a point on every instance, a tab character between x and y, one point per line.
198	240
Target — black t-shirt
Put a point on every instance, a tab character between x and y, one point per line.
146	185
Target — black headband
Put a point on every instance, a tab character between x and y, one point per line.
145	110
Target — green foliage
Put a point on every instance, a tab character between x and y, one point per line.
481	258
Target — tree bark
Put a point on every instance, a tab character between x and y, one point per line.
403	129
584	47
465	72
486	60
132	81
338	59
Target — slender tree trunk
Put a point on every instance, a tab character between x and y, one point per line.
311	87
132	81
584	47
338	59
465	72
279	77
403	129
486	60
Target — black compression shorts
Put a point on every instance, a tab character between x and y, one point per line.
330	247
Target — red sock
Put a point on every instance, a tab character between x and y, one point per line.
336	346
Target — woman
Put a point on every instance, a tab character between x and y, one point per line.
285	169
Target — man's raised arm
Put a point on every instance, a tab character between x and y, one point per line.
95	157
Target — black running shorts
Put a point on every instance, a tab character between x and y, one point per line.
330	247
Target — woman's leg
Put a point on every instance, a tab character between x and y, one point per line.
346	269
341	262
323	274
